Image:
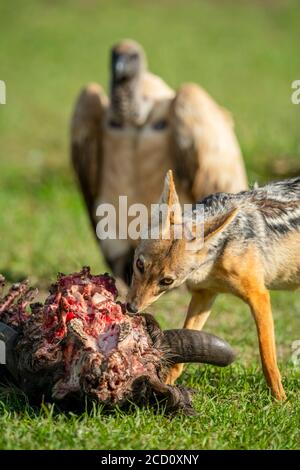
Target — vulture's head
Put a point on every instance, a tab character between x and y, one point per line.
128	61
81	343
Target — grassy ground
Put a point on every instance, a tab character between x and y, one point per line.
246	54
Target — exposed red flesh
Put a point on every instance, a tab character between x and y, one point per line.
82	342
81	326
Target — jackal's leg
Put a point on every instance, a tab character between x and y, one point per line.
198	312
261	309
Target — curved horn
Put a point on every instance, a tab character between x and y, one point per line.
197	346
8	338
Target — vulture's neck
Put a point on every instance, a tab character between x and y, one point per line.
127	107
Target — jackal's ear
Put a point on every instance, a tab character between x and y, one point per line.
198	233
217	224
170	198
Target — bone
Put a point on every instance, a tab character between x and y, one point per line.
14	292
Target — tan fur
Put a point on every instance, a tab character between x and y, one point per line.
240	269
207	155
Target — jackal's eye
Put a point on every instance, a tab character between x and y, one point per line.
166	281
140	265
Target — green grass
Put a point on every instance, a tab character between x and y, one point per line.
246	55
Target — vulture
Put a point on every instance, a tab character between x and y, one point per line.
124	144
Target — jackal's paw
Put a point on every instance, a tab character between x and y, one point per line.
173	374
278	390
279	394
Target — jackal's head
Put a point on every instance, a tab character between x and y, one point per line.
167	261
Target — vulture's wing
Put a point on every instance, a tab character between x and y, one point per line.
86	143
205	152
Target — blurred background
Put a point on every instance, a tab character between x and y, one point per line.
245	53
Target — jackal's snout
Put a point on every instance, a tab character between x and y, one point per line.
140	296
131	307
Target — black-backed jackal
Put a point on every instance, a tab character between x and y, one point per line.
251	244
